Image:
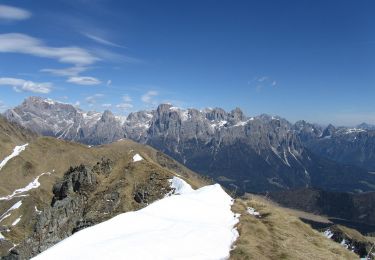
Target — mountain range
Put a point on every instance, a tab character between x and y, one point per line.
59	198
246	154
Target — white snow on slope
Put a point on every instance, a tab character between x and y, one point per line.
253	212
180	186
16	151
8	212
32	185
137	158
194	225
328	233
16	221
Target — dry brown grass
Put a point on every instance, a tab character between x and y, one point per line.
280	235
46	154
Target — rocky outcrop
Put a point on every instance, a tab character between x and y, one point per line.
66	214
150	190
350	239
87	196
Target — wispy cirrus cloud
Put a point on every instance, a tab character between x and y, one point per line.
262	82
149	97
127	104
68	72
83	80
2	106
11	13
102	40
108	55
124	106
22	43
93	99
21	85
127	98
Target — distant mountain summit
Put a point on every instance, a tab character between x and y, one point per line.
244	153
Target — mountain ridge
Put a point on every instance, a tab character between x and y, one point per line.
245	153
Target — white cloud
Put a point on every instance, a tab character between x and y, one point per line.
109	82
127	98
20	85
21	43
102	40
67	72
10	13
125	106
77	103
261	79
107	105
93	99
2	106
108	55
261	83
148	98
87	81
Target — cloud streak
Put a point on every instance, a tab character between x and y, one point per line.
11	13
148	98
21	85
124	106
22	43
82	80
262	82
93	99
2	106
127	104
66	72
103	41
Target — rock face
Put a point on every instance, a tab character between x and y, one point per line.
352	146
65	121
67	213
349	239
244	153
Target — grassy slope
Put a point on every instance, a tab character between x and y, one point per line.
12	135
45	154
280	235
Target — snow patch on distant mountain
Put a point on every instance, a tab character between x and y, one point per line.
194	225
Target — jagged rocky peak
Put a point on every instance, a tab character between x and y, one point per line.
38	103
140	116
307	131
108	116
329	131
163	108
216	114
366	126
237	115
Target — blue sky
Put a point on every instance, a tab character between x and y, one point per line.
299	59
